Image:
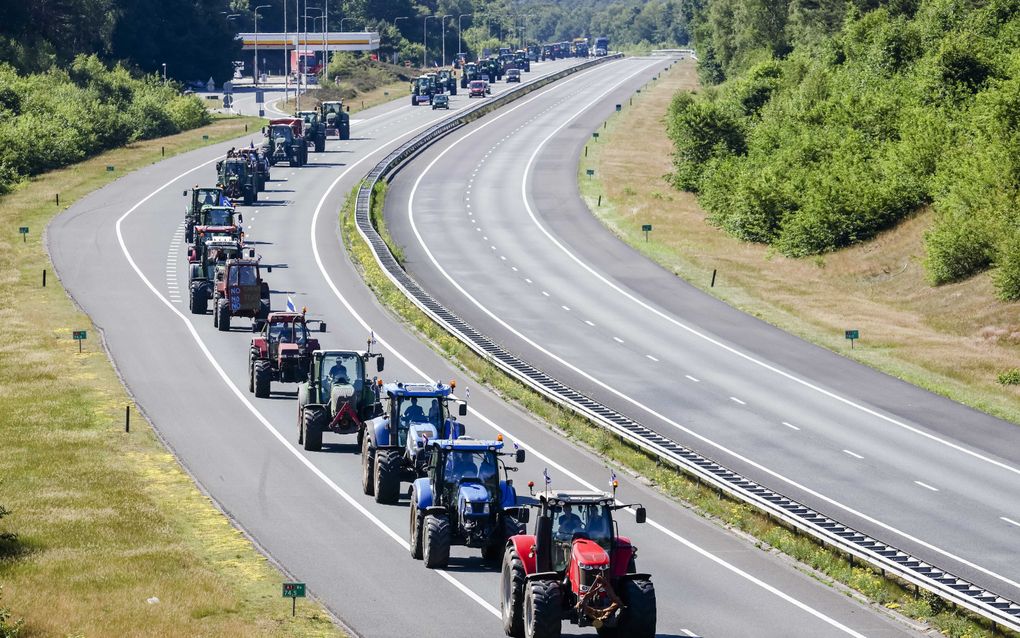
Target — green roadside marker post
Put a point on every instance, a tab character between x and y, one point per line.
646	228
79	336
110	169
852	335
590	172
619	107
595	135
24	233
293	591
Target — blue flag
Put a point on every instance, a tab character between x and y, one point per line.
290	305
548	479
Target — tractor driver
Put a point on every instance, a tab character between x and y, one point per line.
414	413
569	523
435	413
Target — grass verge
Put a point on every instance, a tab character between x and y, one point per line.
955	340
363	100
103	523
827	565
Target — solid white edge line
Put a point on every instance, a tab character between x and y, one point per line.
677	537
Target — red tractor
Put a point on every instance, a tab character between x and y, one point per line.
282	352
574	567
240	291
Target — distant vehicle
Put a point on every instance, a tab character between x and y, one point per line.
479	88
513	75
601	45
441	101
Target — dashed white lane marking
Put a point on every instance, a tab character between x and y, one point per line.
527	280
545	293
692	378
502	257
567	308
513	268
791	426
1010	521
736	400
617	340
853	454
589	323
927	487
651	357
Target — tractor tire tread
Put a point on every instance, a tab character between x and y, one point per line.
436	541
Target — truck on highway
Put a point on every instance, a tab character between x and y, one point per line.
601	46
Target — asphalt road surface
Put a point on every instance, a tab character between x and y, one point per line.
505	241
120	254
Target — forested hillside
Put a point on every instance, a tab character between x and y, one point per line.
836	119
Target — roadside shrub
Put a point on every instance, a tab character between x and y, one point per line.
9	627
52	119
700	130
1010	377
1007	275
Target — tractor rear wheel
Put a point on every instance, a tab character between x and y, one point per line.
223	315
436	541
320	144
508	527
638	617
198	301
313	423
511	602
417	524
251	371
247	199
542	609
261	378
387	475
368	467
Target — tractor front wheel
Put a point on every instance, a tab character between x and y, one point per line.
261	378
313	424
416	524
223	315
511	602
638	617
542	609
387	475
368	467
436	541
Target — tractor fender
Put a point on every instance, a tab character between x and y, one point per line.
259	345
435	510
303	395
380	429
622	553
524	545
509	494
544	576
423	492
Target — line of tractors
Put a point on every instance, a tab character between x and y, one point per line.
476	77
574	566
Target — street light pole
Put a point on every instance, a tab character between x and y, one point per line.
304	52
297	49
398	34
425	41
443	20
255	79
286	76
164	73
460	30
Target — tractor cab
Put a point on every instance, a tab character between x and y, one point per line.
221	216
465	471
338	395
310	118
237	180
422	89
281	351
286	332
200	198
337	120
285	141
239	291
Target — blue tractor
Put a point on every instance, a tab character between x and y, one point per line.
393	448
463	500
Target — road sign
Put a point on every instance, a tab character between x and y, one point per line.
260	96
79	336
24	233
619	107
228	87
852	335
293	591
646	228
590	172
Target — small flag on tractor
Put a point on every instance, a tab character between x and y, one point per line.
290	305
548	479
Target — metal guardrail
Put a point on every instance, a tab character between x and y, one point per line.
878	554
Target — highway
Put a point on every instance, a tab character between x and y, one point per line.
119	253
492	225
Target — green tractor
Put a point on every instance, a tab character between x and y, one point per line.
491	70
338	396
204	258
422	90
200	197
283	142
314	130
337	120
447	81
238	180
471	72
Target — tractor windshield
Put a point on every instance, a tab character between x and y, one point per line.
591	521
234	169
219	217
208	197
421	410
467	466
288	332
243	276
340	368
283	132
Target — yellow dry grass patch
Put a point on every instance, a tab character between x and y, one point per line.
107	520
366	100
953	339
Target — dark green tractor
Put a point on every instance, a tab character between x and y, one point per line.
338	396
314	130
209	196
446	79
238	180
337	120
470	73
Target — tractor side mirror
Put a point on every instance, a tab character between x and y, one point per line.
520	456
185	193
524	515
348	108
462	409
380	363
640	515
322	326
269	269
251	253
264	132
240	218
